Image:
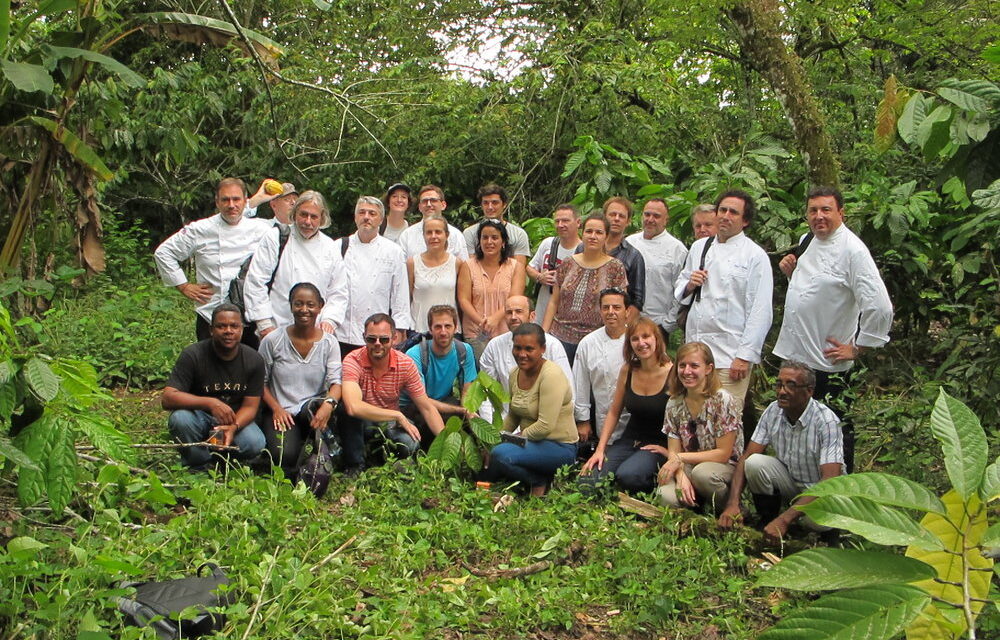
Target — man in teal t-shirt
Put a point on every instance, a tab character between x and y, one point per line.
439	361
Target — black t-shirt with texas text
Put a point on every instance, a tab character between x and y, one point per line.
200	371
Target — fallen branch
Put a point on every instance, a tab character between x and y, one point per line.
260	595
84	456
572	554
628	503
334	554
168	445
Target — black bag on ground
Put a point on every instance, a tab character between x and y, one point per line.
170	597
317	468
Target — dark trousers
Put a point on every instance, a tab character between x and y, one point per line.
203	330
634	469
570	348
413	413
347	348
832	389
285	447
354	432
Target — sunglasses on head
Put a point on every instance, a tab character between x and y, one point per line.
379	339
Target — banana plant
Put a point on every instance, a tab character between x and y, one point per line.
47	52
942	582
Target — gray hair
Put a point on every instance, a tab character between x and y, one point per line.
703	208
795	365
373	201
316	198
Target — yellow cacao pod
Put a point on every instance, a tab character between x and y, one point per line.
272	187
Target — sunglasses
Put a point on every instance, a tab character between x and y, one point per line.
379	339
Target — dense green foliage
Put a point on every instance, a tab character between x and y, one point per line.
939	588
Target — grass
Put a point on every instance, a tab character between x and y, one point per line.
409	536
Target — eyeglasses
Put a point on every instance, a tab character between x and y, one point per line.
379	339
791	386
430	200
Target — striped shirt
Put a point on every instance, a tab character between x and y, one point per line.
815	439
383	392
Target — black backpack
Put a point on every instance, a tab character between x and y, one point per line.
170	597
237	285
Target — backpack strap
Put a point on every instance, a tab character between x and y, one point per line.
550	264
701	266
803	245
425	356
283	233
463	356
345	242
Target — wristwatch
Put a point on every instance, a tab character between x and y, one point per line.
330	401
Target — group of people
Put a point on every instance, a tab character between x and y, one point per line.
379	334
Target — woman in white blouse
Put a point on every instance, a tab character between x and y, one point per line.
433	273
302	379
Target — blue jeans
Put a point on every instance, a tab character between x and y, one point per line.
534	464
634	469
194	426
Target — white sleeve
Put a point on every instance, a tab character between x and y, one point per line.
172	252
581	386
759	308
336	293
487	364
255	294
399	296
873	301
538	260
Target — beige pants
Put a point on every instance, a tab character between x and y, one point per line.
736	388
711	482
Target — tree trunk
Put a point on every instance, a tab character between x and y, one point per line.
35	185
760	34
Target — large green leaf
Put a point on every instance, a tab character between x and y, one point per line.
27	77
188	27
437	449
882	488
474	397
828	569
934	132
990	490
992	54
913	114
8	400
991	539
876	522
103	435
470	452
988	198
41	379
127	76
962	532
963	441
485	432
971	95
49	442
869	613
15	455
75	147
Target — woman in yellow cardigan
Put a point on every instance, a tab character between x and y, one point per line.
541	406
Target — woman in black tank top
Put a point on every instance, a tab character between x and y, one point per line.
642	389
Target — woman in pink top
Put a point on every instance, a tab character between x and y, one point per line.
484	284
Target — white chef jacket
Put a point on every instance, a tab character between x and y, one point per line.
664	256
378	283
598	361
734	313
835	282
315	260
412	241
498	361
218	249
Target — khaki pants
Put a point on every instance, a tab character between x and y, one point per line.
736	388
711	482
769	476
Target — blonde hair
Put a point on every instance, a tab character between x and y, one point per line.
712	381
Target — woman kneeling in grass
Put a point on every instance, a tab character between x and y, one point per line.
704	431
